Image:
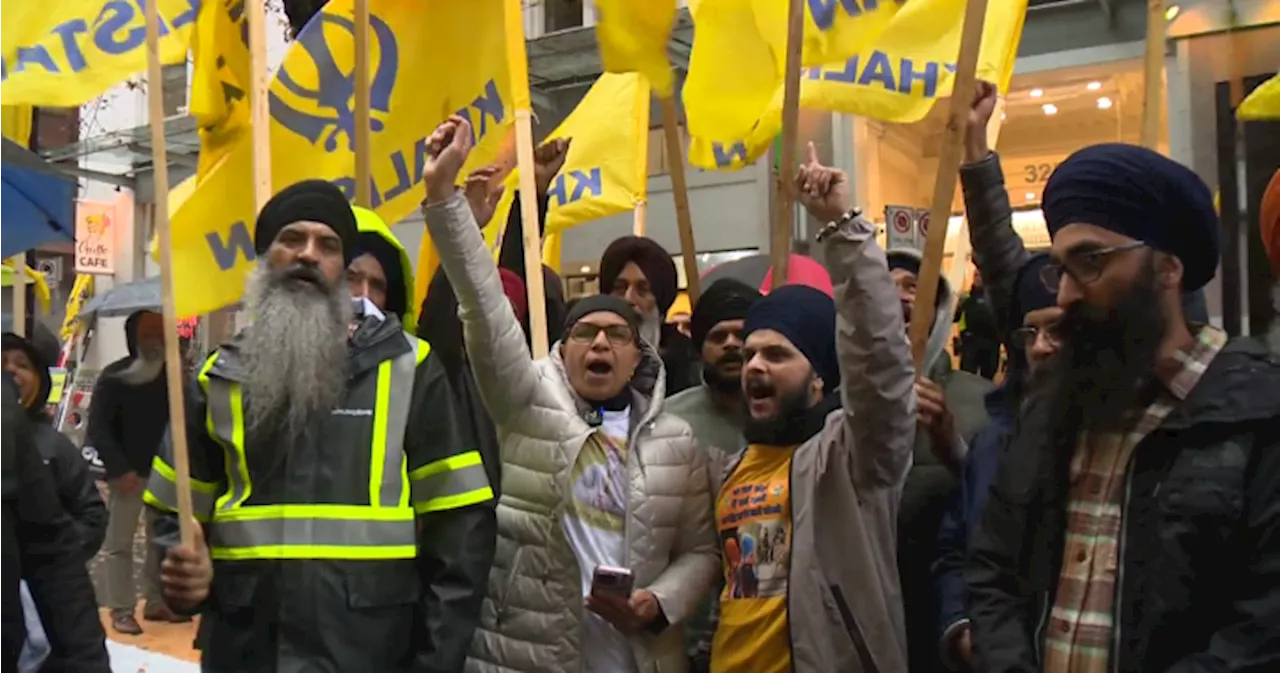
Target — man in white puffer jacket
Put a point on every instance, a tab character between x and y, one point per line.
593	472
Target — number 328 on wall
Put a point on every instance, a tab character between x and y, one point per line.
1034	174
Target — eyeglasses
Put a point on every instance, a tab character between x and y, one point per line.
618	335
1083	267
1026	336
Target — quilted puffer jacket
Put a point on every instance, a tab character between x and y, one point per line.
531	620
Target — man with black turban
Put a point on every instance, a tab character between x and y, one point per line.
642	272
715	411
348	526
1144	477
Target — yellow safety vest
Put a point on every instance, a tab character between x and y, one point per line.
381	527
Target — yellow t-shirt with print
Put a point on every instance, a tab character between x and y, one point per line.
753	515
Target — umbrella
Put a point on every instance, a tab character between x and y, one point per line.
757	271
141	295
37	203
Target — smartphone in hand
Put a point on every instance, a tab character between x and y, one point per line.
612	580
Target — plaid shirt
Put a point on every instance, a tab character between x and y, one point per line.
1078	637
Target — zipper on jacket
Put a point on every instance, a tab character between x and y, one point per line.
501	608
1119	600
1040	627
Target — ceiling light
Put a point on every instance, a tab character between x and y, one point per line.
1104	103
1003	116
1031	196
1094	86
1050	109
1172	12
1036	93
585	269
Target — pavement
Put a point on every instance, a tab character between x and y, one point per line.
162	647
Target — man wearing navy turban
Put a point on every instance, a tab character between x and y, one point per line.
1136	512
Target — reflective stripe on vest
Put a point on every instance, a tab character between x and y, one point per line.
456	481
313	532
382	529
162	491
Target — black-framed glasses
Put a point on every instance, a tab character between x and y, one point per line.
1083	267
618	335
1026	336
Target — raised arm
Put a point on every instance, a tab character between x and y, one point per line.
998	251
496	348
876	371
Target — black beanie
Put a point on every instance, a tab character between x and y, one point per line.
389	259
603	302
1029	292
312	200
725	299
807	318
654	261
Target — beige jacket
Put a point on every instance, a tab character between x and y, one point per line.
531	620
844	601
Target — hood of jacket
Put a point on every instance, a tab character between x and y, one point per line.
131	330
368	222
940	331
10	342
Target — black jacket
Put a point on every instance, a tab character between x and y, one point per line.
127	422
511	258
43	546
385	616
1199	575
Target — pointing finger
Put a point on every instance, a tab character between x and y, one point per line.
812	153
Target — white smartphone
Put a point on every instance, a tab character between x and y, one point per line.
612	580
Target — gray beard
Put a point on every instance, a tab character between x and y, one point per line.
295	354
144	369
651	328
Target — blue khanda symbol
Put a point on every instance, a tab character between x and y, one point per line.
334	112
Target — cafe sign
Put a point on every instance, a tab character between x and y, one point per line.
96	225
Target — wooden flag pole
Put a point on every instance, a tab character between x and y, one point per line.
1152	75
955	273
944	187
529	233
680	192
364	183
259	110
160	215
19	289
641	212
784	214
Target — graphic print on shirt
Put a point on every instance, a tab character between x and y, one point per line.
599	480
755	530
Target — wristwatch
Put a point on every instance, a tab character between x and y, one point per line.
852	221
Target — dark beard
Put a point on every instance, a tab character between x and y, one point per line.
785	426
719	383
1104	371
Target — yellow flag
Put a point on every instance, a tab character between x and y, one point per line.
16	123
462	47
605	173
551	251
633	38
220	79
733	95
1263	103
834	30
67	52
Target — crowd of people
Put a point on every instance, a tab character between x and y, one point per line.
774	486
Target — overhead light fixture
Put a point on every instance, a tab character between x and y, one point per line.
1036	93
585	269
1104	103
1172	12
1003	116
1049	108
1031	196
1094	86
